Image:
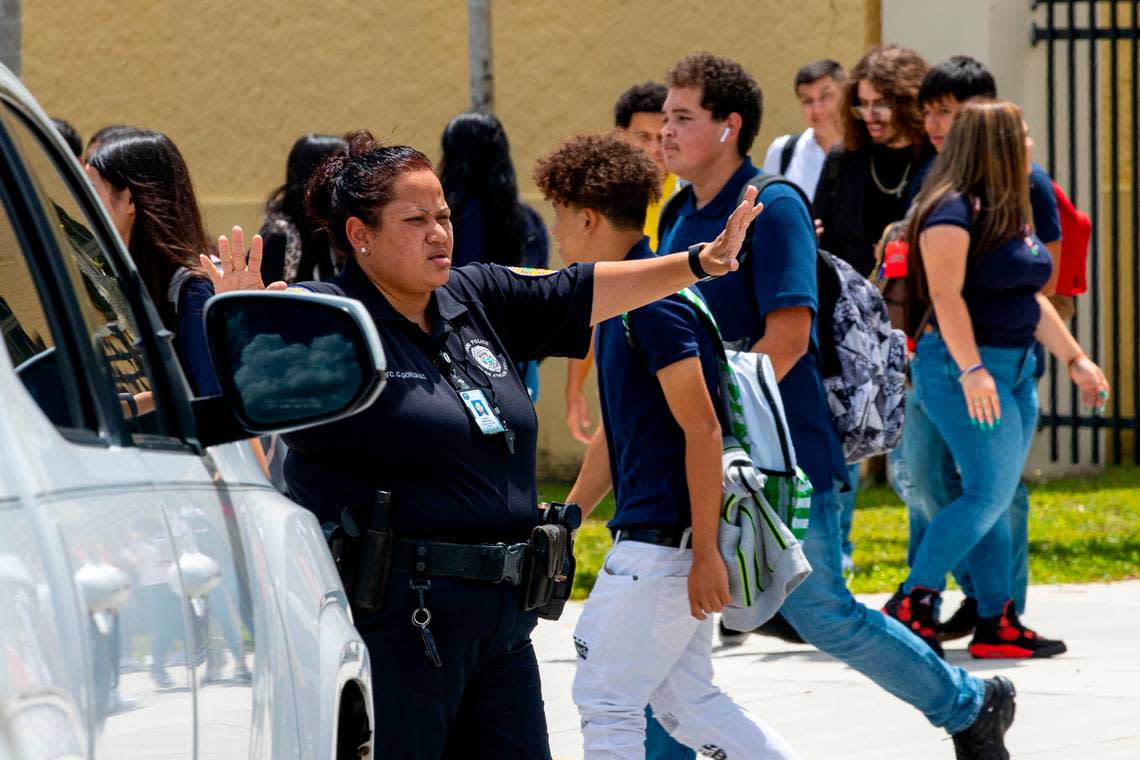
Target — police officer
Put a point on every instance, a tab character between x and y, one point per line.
452	440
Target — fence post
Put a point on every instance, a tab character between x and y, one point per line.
10	34
480	72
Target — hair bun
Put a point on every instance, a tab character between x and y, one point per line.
361	141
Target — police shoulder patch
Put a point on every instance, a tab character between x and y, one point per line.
531	271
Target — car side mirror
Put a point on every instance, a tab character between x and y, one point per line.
287	361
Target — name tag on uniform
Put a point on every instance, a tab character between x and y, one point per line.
481	412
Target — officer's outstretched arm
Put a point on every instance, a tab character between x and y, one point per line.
594	479
621	286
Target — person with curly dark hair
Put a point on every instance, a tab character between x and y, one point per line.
659	384
769	305
865	183
637	120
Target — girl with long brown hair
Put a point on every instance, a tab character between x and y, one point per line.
977	280
144	184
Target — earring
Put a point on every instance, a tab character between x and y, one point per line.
363	251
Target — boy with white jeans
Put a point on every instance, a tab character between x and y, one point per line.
645	635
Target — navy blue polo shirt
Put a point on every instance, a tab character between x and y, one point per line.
778	272
1042	200
1001	284
646	445
448	480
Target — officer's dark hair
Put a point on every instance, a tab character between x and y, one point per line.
357	180
70	136
476	171
602	173
726	88
960	77
817	70
288	200
168	233
641	98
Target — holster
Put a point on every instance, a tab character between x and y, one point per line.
544	561
363	557
566	517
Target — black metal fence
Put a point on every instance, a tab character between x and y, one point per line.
1097	165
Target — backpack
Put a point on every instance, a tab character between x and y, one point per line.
1076	230
788	151
863	359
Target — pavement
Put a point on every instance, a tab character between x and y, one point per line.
1082	705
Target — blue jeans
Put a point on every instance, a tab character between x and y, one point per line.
659	745
974	524
847	508
924	475
828	617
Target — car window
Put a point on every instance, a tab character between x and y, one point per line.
28	337
95	288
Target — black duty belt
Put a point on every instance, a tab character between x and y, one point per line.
660	536
493	563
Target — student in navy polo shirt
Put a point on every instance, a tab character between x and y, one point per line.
933	478
977	264
645	635
461	483
712	115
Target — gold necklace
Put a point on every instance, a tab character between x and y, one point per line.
895	191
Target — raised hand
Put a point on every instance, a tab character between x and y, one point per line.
238	273
719	256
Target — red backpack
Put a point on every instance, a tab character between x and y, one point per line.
1076	231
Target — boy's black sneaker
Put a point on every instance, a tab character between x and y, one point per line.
1004	637
962	622
916	611
985	737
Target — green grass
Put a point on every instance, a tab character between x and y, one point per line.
1080	531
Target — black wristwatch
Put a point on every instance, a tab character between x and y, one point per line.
695	262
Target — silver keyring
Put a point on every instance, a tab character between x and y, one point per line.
427	617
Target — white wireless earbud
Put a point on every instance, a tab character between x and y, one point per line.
724	134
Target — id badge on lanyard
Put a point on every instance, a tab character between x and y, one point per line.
480	411
485	413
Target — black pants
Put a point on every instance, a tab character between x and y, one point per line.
486	700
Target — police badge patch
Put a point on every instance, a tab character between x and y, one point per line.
481	353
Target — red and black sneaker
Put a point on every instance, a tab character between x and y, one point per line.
916	611
961	623
1004	637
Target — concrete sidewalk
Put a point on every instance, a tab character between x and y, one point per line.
1084	704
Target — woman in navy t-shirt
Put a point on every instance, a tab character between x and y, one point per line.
981	270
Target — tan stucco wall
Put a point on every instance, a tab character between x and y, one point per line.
235	83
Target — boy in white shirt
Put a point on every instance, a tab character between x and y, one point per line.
799	157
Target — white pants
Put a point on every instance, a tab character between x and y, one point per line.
638	644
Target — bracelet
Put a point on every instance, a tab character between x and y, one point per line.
970	370
1080	355
695	262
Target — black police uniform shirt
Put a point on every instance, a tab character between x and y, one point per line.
1001	284
646	445
448	480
